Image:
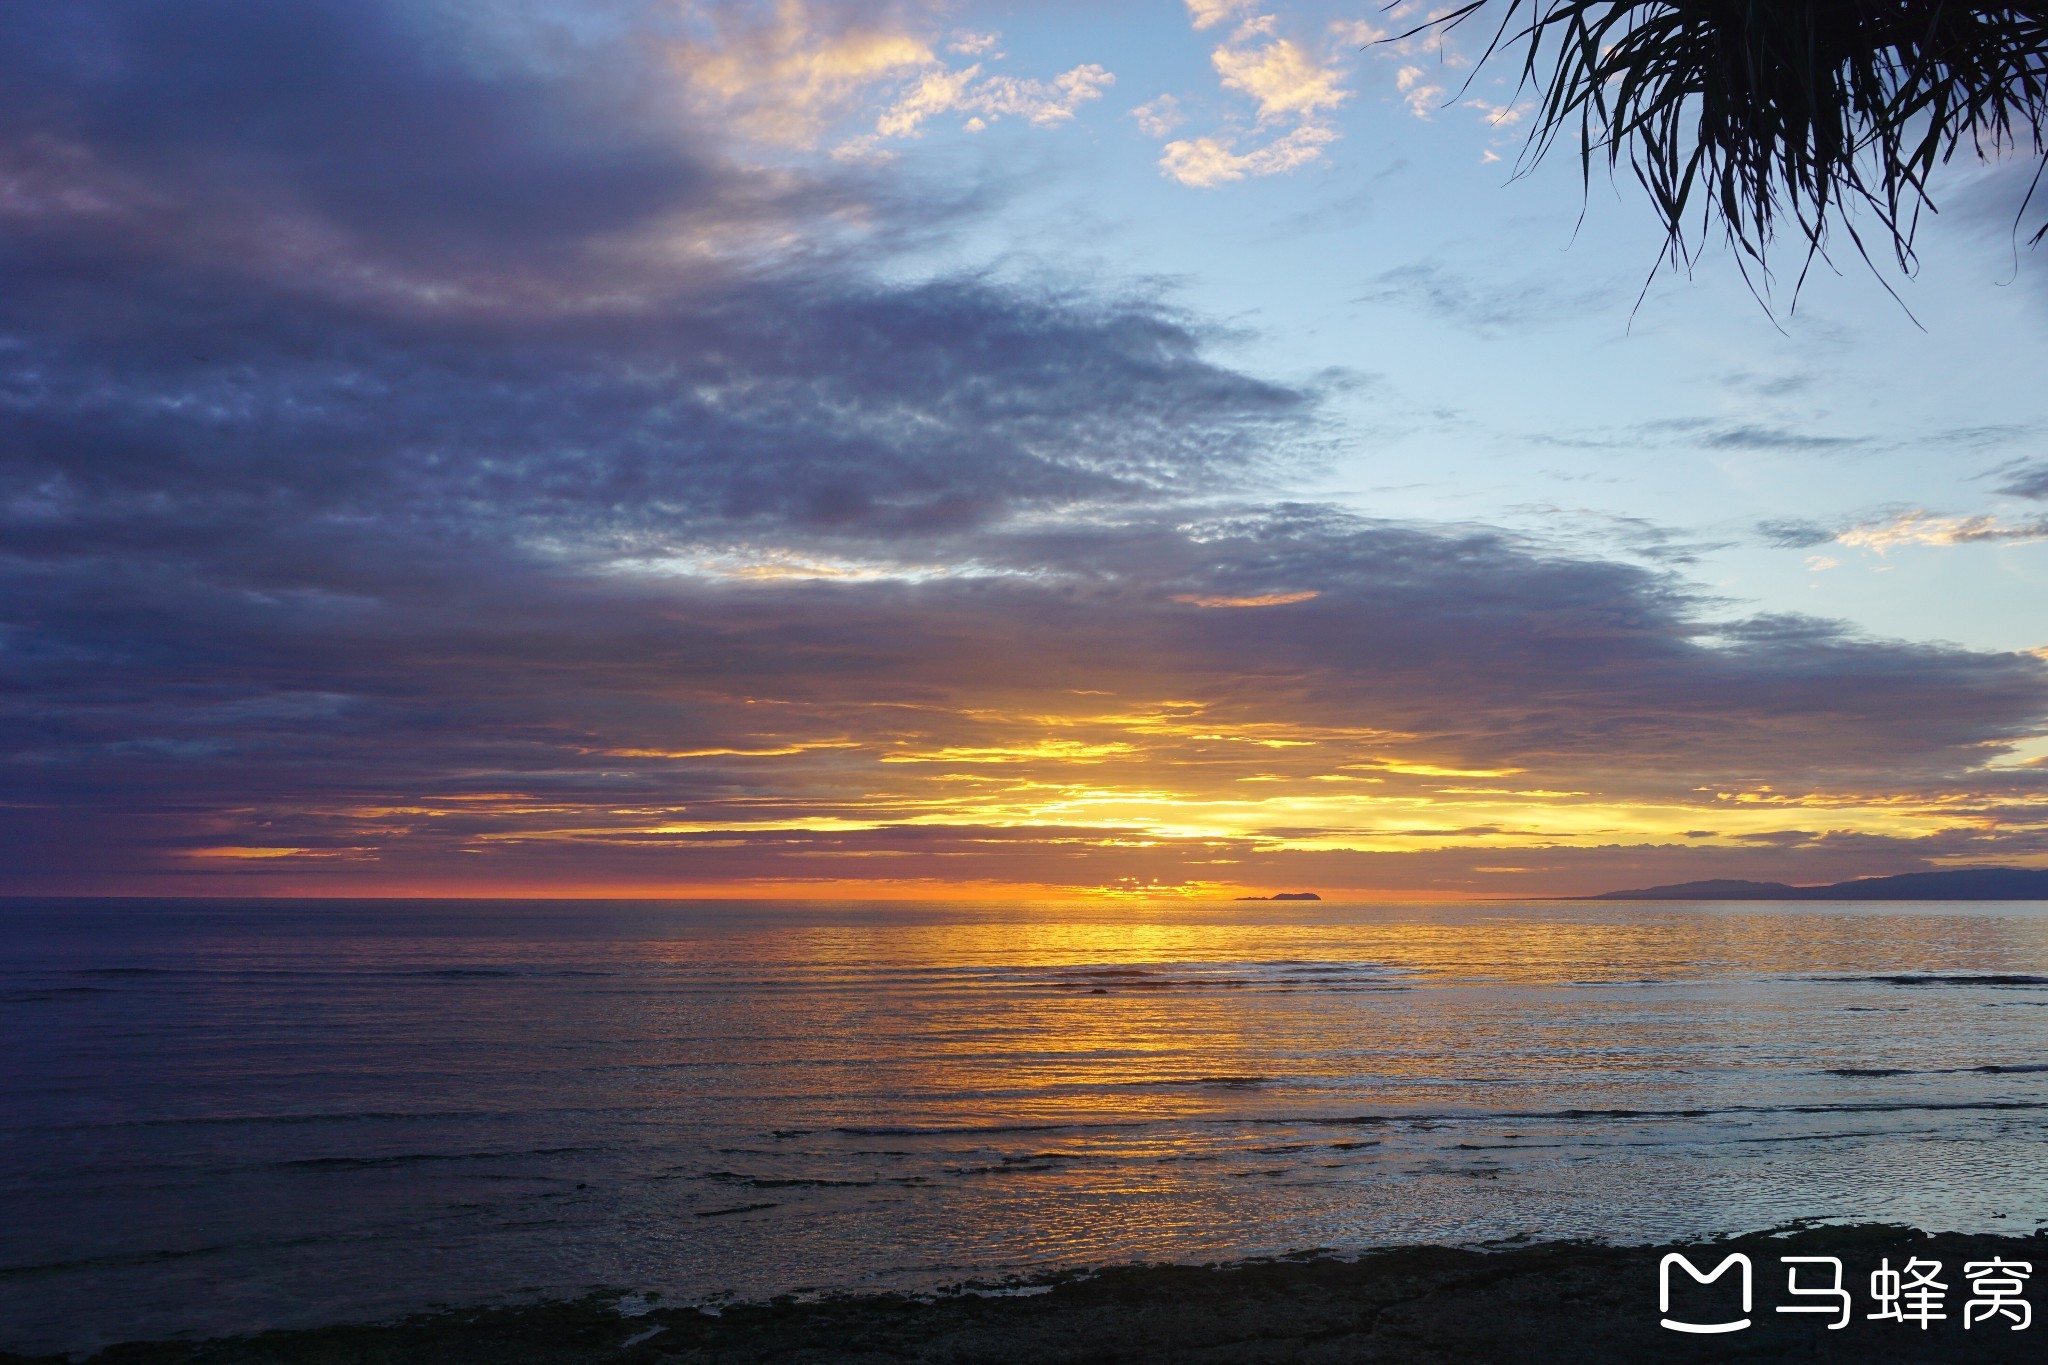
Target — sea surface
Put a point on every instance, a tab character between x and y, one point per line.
217	1116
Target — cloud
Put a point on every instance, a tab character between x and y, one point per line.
1417	91
122	120
1355	32
1281	78
1772	438
1709	433
987	98
435	485
533	285
1478	305
968	44
1919	527
1049	711
1159	117
1284	81
1794	533
1421	57
1501	115
791	75
1206	14
1769	385
1203	162
1269	599
2026	480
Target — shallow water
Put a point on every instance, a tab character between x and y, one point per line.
221	1116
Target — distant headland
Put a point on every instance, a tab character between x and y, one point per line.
1283	896
1962	884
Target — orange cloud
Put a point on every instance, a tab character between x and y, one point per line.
787	78
1924	528
1284	80
782	752
1271	599
1281	76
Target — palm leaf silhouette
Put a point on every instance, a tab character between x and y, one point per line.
1757	113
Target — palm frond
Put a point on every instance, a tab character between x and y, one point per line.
1759	113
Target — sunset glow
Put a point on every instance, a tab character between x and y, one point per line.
848	450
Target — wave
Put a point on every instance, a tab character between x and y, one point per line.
967	1130
762	1182
366	1163
348	1116
1991	1069
1286	975
1873	1071
489	973
160	1256
1448	1117
1939	979
992	1129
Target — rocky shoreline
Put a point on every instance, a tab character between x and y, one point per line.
1535	1303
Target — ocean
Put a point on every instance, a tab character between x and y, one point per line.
219	1116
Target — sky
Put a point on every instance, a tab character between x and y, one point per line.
514	447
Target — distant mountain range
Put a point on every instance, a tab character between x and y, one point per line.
1963	884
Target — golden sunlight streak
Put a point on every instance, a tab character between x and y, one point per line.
1271	599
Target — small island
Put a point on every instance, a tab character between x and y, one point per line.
1283	896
